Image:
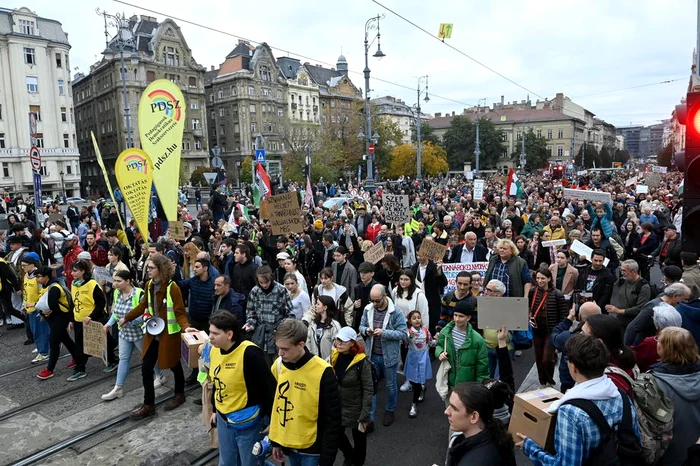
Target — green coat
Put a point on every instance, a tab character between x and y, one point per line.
356	390
470	363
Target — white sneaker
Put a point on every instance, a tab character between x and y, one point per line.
35	351
39	358
413	412
406	387
117	392
159	381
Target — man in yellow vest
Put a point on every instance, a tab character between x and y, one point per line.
30	293
306	423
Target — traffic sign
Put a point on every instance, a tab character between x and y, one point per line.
216	162
260	155
35	158
371	148
37	191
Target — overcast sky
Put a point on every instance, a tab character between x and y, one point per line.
545	46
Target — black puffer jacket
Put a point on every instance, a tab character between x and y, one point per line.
553	311
356	389
478	450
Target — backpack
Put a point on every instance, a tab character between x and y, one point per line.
654	415
237	300
375	378
522	339
620	446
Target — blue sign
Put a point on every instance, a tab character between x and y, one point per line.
37	190
260	155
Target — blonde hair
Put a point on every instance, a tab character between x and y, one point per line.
506	242
192	250
677	346
366	244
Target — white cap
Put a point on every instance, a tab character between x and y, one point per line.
282	256
347	334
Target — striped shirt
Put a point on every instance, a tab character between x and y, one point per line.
458	337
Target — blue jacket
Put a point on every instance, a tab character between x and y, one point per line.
605	222
690	312
200	292
559	336
394	332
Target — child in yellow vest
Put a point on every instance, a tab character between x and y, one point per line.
30	293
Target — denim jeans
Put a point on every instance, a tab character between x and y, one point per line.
40	331
302	459
125	348
389	375
236	446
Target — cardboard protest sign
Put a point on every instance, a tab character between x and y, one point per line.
95	340
653	179
631	181
432	250
582	194
478	190
451	271
396	208
285	213
497	311
374	254
659	169
177	230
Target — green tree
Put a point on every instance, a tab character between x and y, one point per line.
591	159
460	139
665	157
606	158
197	177
536	153
390	136
427	134
491	142
621	155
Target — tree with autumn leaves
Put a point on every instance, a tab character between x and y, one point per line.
403	160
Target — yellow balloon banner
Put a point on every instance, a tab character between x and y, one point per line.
98	154
161	123
134	171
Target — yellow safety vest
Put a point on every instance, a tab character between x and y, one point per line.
294	420
62	301
171	321
135	300
226	372
83	299
30	291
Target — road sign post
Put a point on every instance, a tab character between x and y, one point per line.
260	156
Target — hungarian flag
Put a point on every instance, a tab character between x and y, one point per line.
262	185
514	186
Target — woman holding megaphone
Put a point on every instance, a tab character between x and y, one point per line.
164	301
127	297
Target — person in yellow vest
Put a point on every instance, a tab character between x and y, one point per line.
305	425
88	304
164	300
58	314
243	390
30	293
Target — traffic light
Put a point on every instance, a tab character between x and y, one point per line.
689	162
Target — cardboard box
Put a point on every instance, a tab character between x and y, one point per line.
190	344
530	417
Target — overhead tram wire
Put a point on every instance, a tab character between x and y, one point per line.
285	50
667	81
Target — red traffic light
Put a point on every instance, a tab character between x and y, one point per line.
692	123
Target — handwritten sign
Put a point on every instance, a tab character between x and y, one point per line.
653	179
451	271
582	250
478	190
374	254
177	230
95	340
285	213
101	274
595	196
631	181
432	250
396	208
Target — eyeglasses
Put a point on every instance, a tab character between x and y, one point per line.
377	301
490	290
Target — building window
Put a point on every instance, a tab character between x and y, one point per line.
549	134
59	60
332	103
66	141
197	144
2	140
150	76
43	171
195	123
211	97
280	112
539	133
26	27
173	58
29	56
233	90
265	73
32	84
560	150
194	106
253	127
69	169
220	94
265	91
40	140
251	90
192	81
221	112
36	110
213	114
251	108
61	87
5	170
561	133
64	115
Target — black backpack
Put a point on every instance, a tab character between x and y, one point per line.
619	447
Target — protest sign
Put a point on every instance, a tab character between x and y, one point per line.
631	181
583	194
95	340
642	189
581	249
374	254
653	179
396	208
101	274
57	218
470	175
478	190
451	271
659	169
161	123
554	242
432	250
497	311
285	213
177	230
134	171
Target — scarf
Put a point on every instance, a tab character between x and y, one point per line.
601	388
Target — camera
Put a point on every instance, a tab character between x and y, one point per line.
263	447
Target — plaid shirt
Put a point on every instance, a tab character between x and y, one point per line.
268	309
577	436
132	331
500	272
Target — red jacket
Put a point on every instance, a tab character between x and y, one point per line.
646	353
372	231
68	260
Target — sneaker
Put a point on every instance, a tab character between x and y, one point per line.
413	413
76	376
159	381
110	368
518	353
117	392
198	402
406	387
2	322
34	351
45	374
39	358
71	364
421	397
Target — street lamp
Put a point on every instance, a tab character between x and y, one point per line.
119	21
370	25
419	169
63	189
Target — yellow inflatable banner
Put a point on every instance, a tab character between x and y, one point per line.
134	171
98	154
161	123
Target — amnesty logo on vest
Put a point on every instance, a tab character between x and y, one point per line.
294	420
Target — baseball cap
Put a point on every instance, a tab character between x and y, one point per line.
85	255
31	257
282	256
346	334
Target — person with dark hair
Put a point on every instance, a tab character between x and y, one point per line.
622	366
323	326
244	389
669	249
482	440
328	249
462	292
645	246
30	294
362	290
242	270
564	274
597	280
577	435
388	272
344	271
39	246
547	309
